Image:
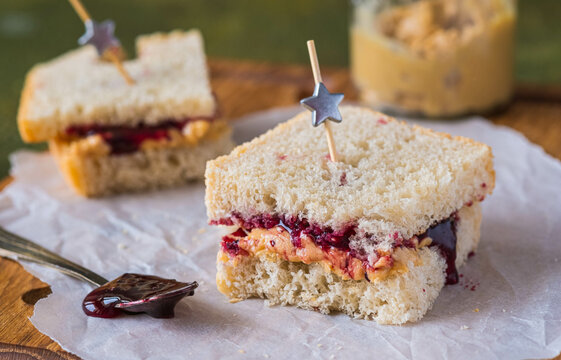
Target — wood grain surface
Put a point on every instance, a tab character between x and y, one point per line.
243	87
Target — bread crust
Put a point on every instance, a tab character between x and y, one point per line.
26	128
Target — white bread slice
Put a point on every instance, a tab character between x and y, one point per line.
92	171
79	89
399	298
391	177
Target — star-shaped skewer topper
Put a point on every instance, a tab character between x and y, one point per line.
323	105
100	35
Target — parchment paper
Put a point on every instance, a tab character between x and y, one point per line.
513	311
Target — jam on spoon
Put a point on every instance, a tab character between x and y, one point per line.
129	293
135	293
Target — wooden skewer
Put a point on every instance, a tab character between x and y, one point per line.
80	10
314	60
109	53
317	79
330	142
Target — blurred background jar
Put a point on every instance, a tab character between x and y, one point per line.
435	58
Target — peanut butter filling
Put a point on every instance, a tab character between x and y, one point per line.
192	134
277	242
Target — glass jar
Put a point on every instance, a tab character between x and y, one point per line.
435	58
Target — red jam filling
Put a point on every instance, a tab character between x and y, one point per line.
230	243
325	237
128	139
443	235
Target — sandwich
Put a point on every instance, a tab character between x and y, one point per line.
108	136
375	235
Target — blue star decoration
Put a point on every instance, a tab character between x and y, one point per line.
100	35
323	105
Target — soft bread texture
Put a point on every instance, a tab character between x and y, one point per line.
391	177
79	89
398	299
92	171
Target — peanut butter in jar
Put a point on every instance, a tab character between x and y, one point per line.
436	58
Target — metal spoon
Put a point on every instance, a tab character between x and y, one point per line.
129	293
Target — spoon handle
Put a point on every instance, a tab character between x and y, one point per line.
12	244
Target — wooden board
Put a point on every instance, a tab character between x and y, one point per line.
243	87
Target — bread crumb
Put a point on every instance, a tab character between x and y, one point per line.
320	345
183	250
476	310
201	230
241	351
464	327
234	300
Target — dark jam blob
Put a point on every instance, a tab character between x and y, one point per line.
343	179
230	244
135	293
443	236
239	233
127	139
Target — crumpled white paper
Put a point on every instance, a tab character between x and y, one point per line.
513	312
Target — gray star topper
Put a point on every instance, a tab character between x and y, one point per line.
323	105
100	35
